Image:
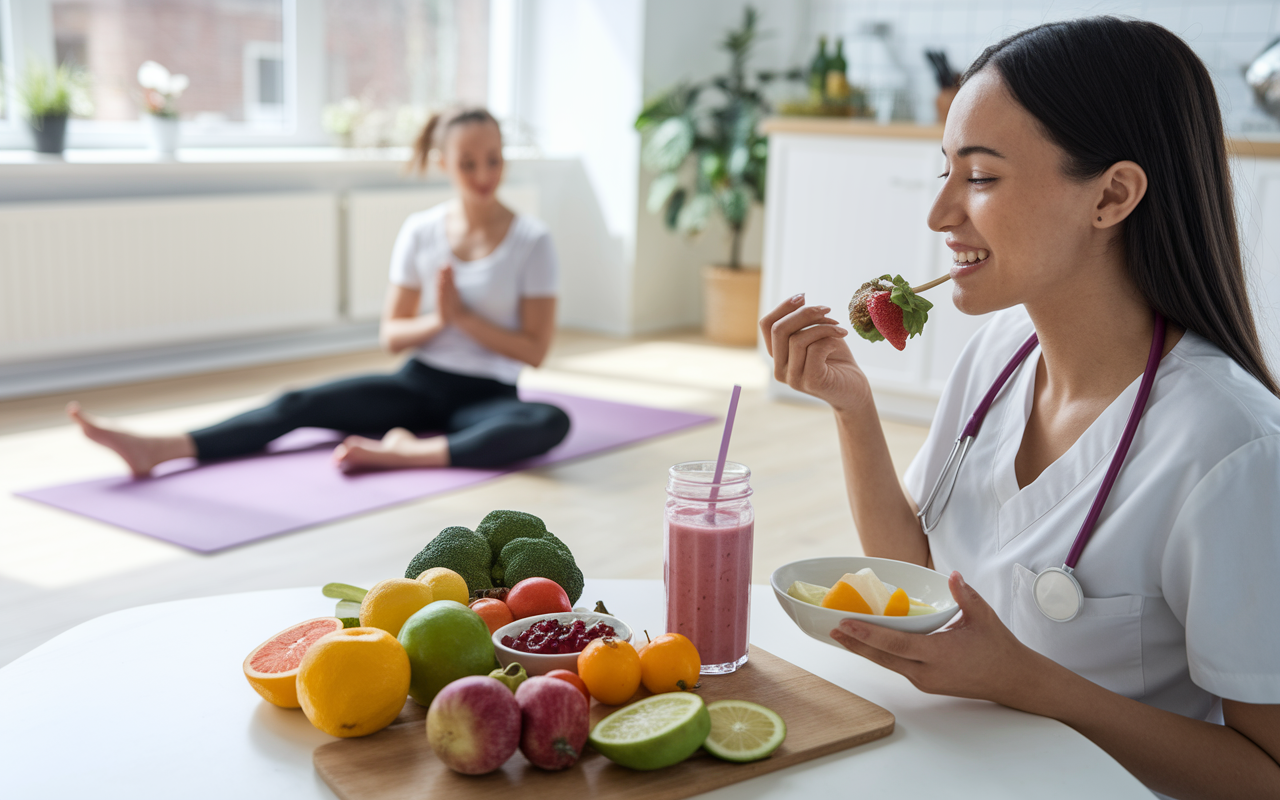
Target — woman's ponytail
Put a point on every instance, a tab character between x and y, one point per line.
422	146
434	131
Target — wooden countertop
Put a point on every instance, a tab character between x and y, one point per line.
826	126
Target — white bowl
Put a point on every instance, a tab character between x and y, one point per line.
918	582
542	663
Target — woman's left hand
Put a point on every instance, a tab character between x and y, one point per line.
977	657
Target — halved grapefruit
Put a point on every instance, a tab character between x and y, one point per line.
272	667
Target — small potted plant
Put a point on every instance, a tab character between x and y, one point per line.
50	96
727	158
160	93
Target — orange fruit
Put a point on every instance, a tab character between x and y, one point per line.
611	670
571	677
494	612
354	682
670	663
272	667
844	597
898	604
389	603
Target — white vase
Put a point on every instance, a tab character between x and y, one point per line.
164	134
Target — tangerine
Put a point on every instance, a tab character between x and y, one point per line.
494	612
670	663
571	677
610	668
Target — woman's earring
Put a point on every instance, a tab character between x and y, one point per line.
1099	219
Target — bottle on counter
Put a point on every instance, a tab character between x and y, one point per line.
836	84
818	73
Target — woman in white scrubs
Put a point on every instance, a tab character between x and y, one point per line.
1087	192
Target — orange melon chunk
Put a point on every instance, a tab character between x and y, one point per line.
898	604
844	597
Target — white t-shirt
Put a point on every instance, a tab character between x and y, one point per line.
522	265
1182	576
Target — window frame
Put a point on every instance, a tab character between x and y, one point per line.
28	33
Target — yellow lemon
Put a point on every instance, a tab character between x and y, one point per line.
353	682
389	603
446	584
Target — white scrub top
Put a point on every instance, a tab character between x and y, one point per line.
1182	576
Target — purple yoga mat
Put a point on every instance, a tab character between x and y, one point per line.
218	505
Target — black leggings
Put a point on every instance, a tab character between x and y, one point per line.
486	424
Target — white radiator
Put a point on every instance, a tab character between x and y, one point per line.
93	276
374	218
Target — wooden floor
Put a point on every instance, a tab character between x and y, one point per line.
58	569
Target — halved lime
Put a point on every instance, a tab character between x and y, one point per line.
743	731
653	733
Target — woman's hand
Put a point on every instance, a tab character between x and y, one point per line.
449	303
810	355
977	657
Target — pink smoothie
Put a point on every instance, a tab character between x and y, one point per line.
708	578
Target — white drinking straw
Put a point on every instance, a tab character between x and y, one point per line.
724	449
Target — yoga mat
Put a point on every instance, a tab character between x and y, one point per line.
213	506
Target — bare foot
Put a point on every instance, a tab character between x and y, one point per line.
398	449
140	453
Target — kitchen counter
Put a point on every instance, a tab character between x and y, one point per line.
1268	147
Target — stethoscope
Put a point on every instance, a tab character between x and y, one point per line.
1057	592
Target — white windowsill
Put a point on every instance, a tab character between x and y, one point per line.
222	156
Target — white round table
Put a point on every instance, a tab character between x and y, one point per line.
151	702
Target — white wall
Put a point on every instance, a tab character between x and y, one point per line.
574	92
580	71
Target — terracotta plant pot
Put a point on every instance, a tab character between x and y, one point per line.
731	304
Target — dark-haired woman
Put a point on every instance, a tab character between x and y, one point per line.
1088	199
473	288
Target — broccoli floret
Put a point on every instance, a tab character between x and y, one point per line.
538	558
459	549
500	527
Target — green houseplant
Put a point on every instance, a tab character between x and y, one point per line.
50	95
701	140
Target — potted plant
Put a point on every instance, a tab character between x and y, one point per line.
160	93
49	96
701	139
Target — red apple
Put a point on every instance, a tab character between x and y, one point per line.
473	724
554	720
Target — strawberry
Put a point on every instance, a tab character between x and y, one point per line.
891	310
887	316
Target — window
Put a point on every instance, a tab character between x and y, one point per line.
261	71
219	44
402	58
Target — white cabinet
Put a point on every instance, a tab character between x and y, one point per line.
1257	188
842	210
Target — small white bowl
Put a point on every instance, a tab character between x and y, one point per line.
918	582
542	663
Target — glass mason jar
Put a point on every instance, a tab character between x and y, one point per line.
708	536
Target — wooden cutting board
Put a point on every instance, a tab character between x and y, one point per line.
821	718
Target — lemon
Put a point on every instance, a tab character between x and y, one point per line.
446	584
353	682
743	731
389	603
653	733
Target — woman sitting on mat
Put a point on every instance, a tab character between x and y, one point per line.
490	277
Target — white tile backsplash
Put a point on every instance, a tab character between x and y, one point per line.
1227	34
